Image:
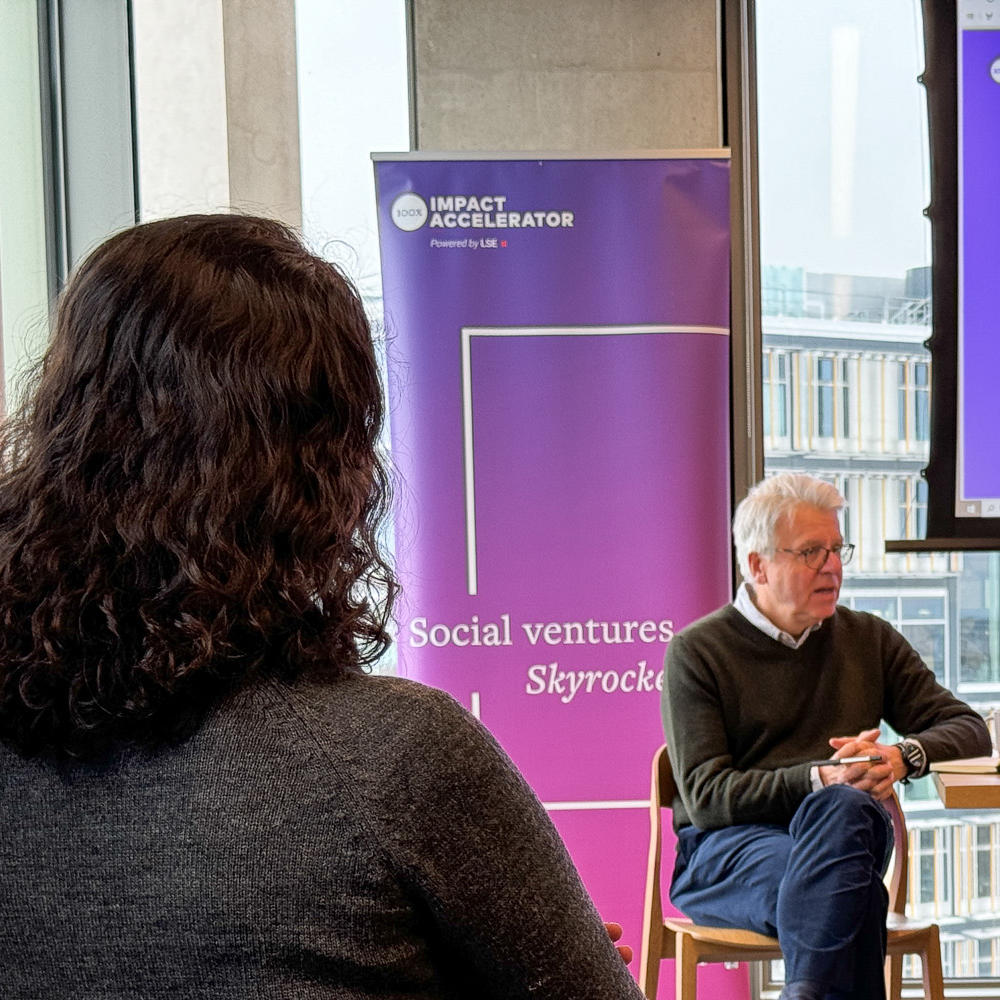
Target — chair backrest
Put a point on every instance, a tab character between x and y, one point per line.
896	878
663	788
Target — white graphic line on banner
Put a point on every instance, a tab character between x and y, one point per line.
468	332
622	804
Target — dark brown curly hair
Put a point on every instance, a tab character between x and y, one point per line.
191	494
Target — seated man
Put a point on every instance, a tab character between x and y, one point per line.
755	691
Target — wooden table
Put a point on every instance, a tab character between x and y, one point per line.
968	791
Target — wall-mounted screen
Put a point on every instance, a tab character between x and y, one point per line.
962	77
978	93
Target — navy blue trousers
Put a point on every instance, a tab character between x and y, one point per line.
816	885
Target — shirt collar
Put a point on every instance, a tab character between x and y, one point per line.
744	604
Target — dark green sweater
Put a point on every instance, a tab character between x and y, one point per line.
743	713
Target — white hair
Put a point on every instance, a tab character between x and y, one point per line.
755	523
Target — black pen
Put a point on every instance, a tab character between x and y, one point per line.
875	759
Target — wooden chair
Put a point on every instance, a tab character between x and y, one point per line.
690	944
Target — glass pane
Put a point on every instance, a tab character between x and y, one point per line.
923	607
976	666
353	101
824	411
884	607
24	284
922	416
928	641
842	142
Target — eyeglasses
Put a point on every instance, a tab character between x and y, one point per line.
815	556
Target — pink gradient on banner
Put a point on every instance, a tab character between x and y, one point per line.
610	849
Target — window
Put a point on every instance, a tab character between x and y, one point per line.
848	487
24	282
914	406
983	874
360	49
845	398
832	398
920	616
933	889
357	49
777	396
824	390
842	143
979	628
912	520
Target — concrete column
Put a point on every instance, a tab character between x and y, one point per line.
262	107
587	76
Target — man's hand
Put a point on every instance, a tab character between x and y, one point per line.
615	932
876	779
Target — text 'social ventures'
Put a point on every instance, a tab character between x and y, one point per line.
499	632
551	679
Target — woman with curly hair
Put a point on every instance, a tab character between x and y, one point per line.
203	791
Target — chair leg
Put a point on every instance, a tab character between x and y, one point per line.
649	963
649	977
930	966
686	972
893	977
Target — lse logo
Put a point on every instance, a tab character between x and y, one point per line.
409	212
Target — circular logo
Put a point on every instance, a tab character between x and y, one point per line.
409	212
995	70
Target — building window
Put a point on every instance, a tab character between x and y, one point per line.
845	398
914	396
24	267
983	863
986	964
920	616
912	519
824	397
777	395
831	395
848	487
933	883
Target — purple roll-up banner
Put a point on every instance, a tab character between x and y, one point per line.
558	361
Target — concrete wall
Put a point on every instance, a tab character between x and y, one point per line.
588	76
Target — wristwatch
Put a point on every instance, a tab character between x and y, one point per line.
913	757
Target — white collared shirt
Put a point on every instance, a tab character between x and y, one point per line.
744	604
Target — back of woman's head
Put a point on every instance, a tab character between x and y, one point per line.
192	493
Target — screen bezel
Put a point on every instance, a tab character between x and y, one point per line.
940	78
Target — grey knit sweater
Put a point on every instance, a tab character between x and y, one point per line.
363	838
743	712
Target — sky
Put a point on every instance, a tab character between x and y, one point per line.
844	171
